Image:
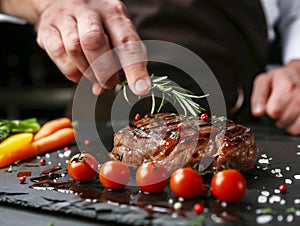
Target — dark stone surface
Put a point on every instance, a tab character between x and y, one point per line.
278	162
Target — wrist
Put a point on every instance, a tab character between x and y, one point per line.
40	6
29	10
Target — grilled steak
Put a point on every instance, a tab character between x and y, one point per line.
178	141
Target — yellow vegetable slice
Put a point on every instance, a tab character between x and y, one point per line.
15	142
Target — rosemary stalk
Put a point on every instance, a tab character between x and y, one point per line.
168	91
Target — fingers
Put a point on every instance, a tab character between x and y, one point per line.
282	88
271	92
289	115
78	46
95	46
290	119
278	92
129	48
71	41
80	42
294	129
50	39
97	89
260	94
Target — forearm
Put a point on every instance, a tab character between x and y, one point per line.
28	10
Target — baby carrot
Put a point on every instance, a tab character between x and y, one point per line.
52	126
55	140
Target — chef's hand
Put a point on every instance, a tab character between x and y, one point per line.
76	33
277	94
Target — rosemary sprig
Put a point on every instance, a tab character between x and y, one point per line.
171	92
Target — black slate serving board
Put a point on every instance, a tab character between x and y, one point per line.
278	163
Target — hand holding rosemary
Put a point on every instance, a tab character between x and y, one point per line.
169	91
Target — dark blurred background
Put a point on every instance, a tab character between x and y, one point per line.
32	86
30	83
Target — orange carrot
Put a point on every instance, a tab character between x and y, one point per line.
52	126
55	140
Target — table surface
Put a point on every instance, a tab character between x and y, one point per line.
278	163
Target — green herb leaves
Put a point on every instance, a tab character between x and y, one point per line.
168	91
8	127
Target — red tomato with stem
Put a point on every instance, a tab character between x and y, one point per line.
228	186
152	177
83	167
186	183
114	175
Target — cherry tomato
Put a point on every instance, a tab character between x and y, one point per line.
114	175
186	183
228	185
82	167
152	177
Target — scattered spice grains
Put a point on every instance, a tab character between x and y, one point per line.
87	142
137	117
282	188
198	208
22	179
10	169
264	215
204	116
42	161
180	126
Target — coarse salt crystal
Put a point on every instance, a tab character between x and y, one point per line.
264	219
297	201
297	176
177	205
276	191
290	218
274	198
288	181
279	217
282	202
262	199
265	193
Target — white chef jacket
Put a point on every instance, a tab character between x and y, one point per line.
285	13
6	18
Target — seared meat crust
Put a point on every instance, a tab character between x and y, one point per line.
178	141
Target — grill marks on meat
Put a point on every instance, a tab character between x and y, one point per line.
214	144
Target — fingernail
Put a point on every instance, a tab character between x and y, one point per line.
141	85
258	109
97	90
